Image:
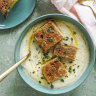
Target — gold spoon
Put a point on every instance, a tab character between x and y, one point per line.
6	73
88	3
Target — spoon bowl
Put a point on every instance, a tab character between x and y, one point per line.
88	3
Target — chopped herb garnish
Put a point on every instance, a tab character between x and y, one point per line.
71	62
44	32
46	54
74	70
41	36
71	39
50	29
42	77
41	42
51	39
36	48
40	46
78	66
62	80
57	47
66	38
60	75
58	58
70	69
63	63
43	59
33	41
33	72
66	76
64	51
39	62
48	83
52	86
54	68
38	52
66	44
74	33
46	66
39	81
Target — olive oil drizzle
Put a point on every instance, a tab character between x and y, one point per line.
12	4
29	44
72	32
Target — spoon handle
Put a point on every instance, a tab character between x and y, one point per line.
6	73
93	9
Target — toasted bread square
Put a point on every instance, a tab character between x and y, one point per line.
48	35
53	70
6	5
67	52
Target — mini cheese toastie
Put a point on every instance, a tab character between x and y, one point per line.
6	6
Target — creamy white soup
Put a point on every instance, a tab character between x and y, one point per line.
75	68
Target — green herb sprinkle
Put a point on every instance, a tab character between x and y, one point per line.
54	68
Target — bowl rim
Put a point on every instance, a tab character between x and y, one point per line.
74	85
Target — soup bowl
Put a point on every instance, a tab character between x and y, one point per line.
75	84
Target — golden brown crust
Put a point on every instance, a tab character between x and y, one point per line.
48	35
67	52
53	70
4	5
